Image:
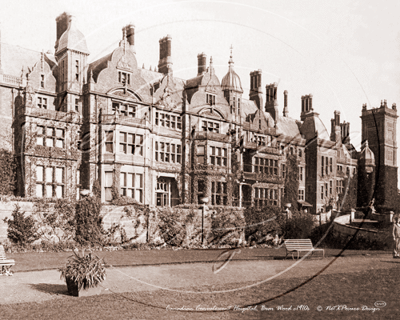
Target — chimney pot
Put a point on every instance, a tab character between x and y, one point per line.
165	63
285	104
130	35
62	23
201	63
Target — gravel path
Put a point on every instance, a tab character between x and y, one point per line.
40	286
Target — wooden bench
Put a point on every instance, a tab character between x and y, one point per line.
299	245
5	264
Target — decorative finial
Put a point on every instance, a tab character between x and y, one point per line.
211	66
42	60
366	144
231	57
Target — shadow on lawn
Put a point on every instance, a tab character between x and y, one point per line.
54	289
397	261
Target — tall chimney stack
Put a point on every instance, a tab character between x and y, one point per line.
271	105
130	36
306	106
256	93
201	63
285	104
337	117
165	63
62	22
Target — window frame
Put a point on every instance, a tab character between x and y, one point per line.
124	109
124	77
219	193
301	195
127	188
265	197
266	166
210	99
109	141
162	118
42	102
54	137
169	152
210	126
50	182
131	144
77	70
218	156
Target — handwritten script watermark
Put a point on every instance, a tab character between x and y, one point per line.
378	305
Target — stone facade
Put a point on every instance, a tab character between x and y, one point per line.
160	139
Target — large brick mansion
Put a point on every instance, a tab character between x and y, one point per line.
164	141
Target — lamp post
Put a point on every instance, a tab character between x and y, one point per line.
204	201
288	212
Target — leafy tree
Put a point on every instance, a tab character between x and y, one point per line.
21	229
227	224
88	221
171	225
261	222
96	189
300	226
57	220
348	199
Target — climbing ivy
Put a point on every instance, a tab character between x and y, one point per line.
291	182
7	172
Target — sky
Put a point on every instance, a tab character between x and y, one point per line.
346	53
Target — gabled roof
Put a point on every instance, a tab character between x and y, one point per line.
151	76
247	107
313	126
14	58
96	66
288	126
168	91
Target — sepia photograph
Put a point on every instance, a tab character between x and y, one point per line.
199	159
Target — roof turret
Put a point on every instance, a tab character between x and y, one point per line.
231	80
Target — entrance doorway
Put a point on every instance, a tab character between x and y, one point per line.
167	192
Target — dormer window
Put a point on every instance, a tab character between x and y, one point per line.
210	99
124	78
42	80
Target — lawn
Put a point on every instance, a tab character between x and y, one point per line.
353	290
33	261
